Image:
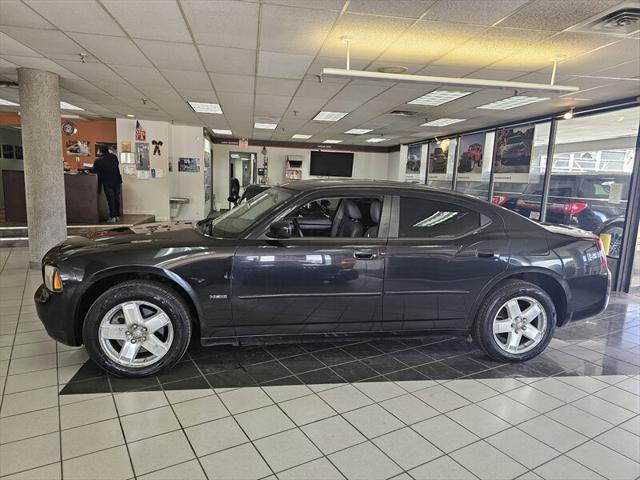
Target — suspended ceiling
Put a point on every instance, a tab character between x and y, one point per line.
260	59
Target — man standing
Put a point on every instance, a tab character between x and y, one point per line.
106	167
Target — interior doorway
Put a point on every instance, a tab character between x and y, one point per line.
243	172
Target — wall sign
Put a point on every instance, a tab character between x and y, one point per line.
141	134
142	156
513	154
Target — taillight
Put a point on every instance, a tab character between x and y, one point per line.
602	253
499	199
573	208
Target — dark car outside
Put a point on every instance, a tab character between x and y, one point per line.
317	260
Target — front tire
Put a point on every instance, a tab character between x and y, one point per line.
515	322
137	328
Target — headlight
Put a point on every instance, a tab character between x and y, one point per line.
52	279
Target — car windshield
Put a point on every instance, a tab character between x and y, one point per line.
240	218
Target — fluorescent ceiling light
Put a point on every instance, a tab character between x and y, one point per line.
203	107
438	97
130	115
218	131
329	116
376	140
7	103
300	136
512	102
332	141
265	126
442	122
475	82
69	106
358	131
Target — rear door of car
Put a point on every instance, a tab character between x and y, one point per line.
441	252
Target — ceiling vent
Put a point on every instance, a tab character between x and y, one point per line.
620	23
403	113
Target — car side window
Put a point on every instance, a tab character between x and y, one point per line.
424	218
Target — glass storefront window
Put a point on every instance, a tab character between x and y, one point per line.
441	163
519	166
474	164
591	173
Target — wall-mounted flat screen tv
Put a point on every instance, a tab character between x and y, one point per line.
331	164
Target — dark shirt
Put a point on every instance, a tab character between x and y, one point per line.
107	169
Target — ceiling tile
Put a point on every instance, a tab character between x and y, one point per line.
622	51
312	88
271	105
141	76
233	83
491	46
69	16
13	47
480	12
276	86
111	50
396	8
190	80
235	61
225	23
49	42
278	25
554	15
17	14
427	41
314	4
41	64
282	65
199	95
371	35
92	72
150	19
171	55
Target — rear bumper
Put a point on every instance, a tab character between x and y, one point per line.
596	308
57	321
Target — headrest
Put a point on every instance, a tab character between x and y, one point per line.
351	210
375	210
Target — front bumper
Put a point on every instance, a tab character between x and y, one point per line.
57	321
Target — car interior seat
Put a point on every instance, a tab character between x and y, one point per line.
348	220
374	212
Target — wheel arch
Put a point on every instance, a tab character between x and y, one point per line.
105	279
549	281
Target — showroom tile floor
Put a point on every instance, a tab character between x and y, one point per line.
423	409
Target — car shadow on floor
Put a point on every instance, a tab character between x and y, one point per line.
608	344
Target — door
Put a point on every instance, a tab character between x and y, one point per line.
439	256
319	282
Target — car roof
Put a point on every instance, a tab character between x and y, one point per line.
327	184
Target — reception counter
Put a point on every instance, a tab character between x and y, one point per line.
85	202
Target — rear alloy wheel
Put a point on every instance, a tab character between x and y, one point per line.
137	328
515	322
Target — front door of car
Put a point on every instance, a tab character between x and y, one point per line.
439	257
322	281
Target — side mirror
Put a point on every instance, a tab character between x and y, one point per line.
280	229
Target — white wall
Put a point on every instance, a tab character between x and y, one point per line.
151	196
366	165
188	142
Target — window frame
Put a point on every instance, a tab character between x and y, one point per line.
260	232
487	218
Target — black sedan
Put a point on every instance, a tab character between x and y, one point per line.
324	259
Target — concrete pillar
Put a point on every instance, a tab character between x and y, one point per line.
43	168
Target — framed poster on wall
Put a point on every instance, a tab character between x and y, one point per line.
512	161
440	168
413	164
471	162
142	156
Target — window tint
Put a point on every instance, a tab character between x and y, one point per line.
429	219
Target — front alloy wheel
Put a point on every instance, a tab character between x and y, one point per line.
136	334
137	328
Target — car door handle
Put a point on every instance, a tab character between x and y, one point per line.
365	254
487	254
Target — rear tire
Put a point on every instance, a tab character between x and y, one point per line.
137	328
515	322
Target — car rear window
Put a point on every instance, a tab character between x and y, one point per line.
424	218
